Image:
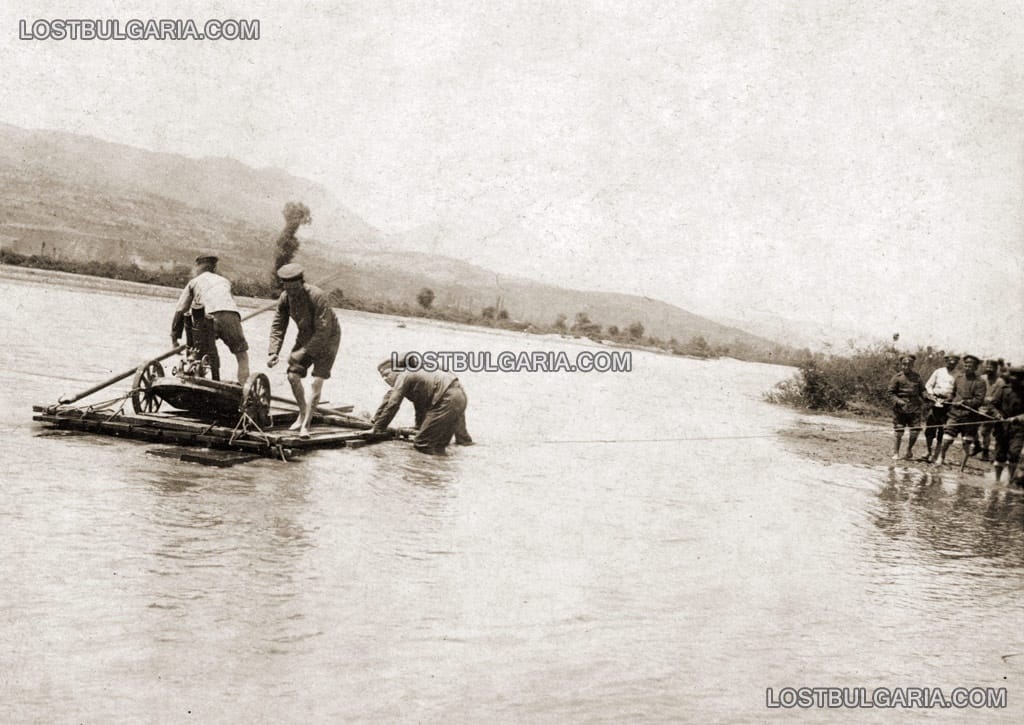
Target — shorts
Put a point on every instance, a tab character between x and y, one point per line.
963	424
1009	442
321	363
935	420
901	420
228	326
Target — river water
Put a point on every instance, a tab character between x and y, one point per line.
671	572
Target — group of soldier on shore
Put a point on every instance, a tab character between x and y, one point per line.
206	312
979	401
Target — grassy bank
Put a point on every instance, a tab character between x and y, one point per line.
857	382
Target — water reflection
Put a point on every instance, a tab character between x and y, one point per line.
226	557
951	518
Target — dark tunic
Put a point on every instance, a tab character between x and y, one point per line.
318	327
969	391
1009	401
440	405
906	391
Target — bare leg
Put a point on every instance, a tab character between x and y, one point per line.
897	437
998	468
243	367
315	388
914	433
300	397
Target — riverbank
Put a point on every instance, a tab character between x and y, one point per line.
868	443
72	280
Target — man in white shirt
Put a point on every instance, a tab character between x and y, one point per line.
939	390
212	292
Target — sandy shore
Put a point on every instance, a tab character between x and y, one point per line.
869	443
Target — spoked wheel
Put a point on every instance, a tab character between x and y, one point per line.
256	399
144	399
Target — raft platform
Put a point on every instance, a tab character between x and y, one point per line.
180	429
239	421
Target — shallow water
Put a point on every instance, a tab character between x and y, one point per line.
521	579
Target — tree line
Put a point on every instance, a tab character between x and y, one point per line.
633	335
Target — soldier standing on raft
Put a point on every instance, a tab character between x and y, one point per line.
440	404
906	391
316	344
207	298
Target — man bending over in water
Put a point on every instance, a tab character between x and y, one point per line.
440	404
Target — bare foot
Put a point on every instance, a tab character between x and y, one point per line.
297	424
303	432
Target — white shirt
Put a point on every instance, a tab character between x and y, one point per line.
210	291
940	385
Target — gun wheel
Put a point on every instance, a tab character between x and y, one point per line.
144	399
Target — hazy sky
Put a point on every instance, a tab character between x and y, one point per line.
860	165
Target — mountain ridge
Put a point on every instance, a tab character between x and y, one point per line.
80	197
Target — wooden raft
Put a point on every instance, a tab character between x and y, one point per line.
178	428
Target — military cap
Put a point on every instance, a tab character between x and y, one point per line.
207	256
953	358
909	357
290	272
398	363
975	358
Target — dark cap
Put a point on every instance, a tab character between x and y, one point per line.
207	257
290	272
909	357
1015	372
968	358
952	358
398	363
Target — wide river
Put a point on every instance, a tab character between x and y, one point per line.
618	547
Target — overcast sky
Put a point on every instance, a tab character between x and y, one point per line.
855	164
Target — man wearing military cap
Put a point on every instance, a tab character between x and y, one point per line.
938	392
1009	433
968	395
207	297
906	391
438	399
316	343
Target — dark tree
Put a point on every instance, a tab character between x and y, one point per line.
425	298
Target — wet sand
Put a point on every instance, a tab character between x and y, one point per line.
868	442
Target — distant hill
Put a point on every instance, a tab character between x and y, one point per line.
78	197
